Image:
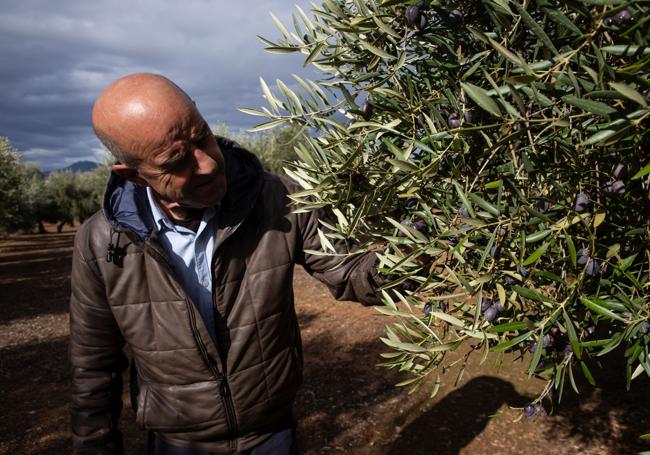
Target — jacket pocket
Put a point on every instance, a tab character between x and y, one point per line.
179	408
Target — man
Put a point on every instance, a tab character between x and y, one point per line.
190	263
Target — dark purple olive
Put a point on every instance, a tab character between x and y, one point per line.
498	306
469	116
522	271
427	309
554	331
581	203
456	18
619	170
534	410
412	14
590	330
422	23
628	248
463	212
530	410
617	186
453	121
623	16
547	340
349	123
609	21
495	251
542	206
645	327
583	256
366	107
514	280
420	226
490	314
453	241
485	304
593	267
443	306
403	223
568	350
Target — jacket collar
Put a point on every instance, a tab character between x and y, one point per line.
126	206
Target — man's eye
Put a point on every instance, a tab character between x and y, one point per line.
175	162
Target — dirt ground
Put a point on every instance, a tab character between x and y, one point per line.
347	404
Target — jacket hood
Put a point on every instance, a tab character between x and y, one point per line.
126	206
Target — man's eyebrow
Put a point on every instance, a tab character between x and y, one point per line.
171	157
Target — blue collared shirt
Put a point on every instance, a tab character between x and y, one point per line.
191	255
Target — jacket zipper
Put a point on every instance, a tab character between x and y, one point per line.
224	389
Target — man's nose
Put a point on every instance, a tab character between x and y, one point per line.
204	163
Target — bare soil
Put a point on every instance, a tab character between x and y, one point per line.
347	403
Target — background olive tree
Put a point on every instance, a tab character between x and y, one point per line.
15	199
498	150
274	148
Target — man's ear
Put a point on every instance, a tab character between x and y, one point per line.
129	173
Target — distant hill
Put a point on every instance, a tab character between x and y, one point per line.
79	166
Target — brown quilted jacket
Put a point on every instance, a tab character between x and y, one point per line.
221	397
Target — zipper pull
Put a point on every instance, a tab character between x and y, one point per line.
110	252
223	383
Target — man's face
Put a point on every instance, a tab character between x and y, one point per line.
182	162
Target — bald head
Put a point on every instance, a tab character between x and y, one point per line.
161	140
138	113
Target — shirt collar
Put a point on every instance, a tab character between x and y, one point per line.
162	221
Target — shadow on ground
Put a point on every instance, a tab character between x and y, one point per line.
458	418
35	275
33	400
607	414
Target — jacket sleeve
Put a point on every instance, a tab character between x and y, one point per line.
97	361
347	277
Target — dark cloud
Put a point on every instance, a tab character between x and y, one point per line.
56	57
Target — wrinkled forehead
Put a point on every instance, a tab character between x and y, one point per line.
150	127
142	111
161	129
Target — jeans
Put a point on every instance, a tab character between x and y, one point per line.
282	442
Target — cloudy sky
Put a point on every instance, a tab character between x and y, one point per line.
56	57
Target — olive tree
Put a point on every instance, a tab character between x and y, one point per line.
497	151
15	204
